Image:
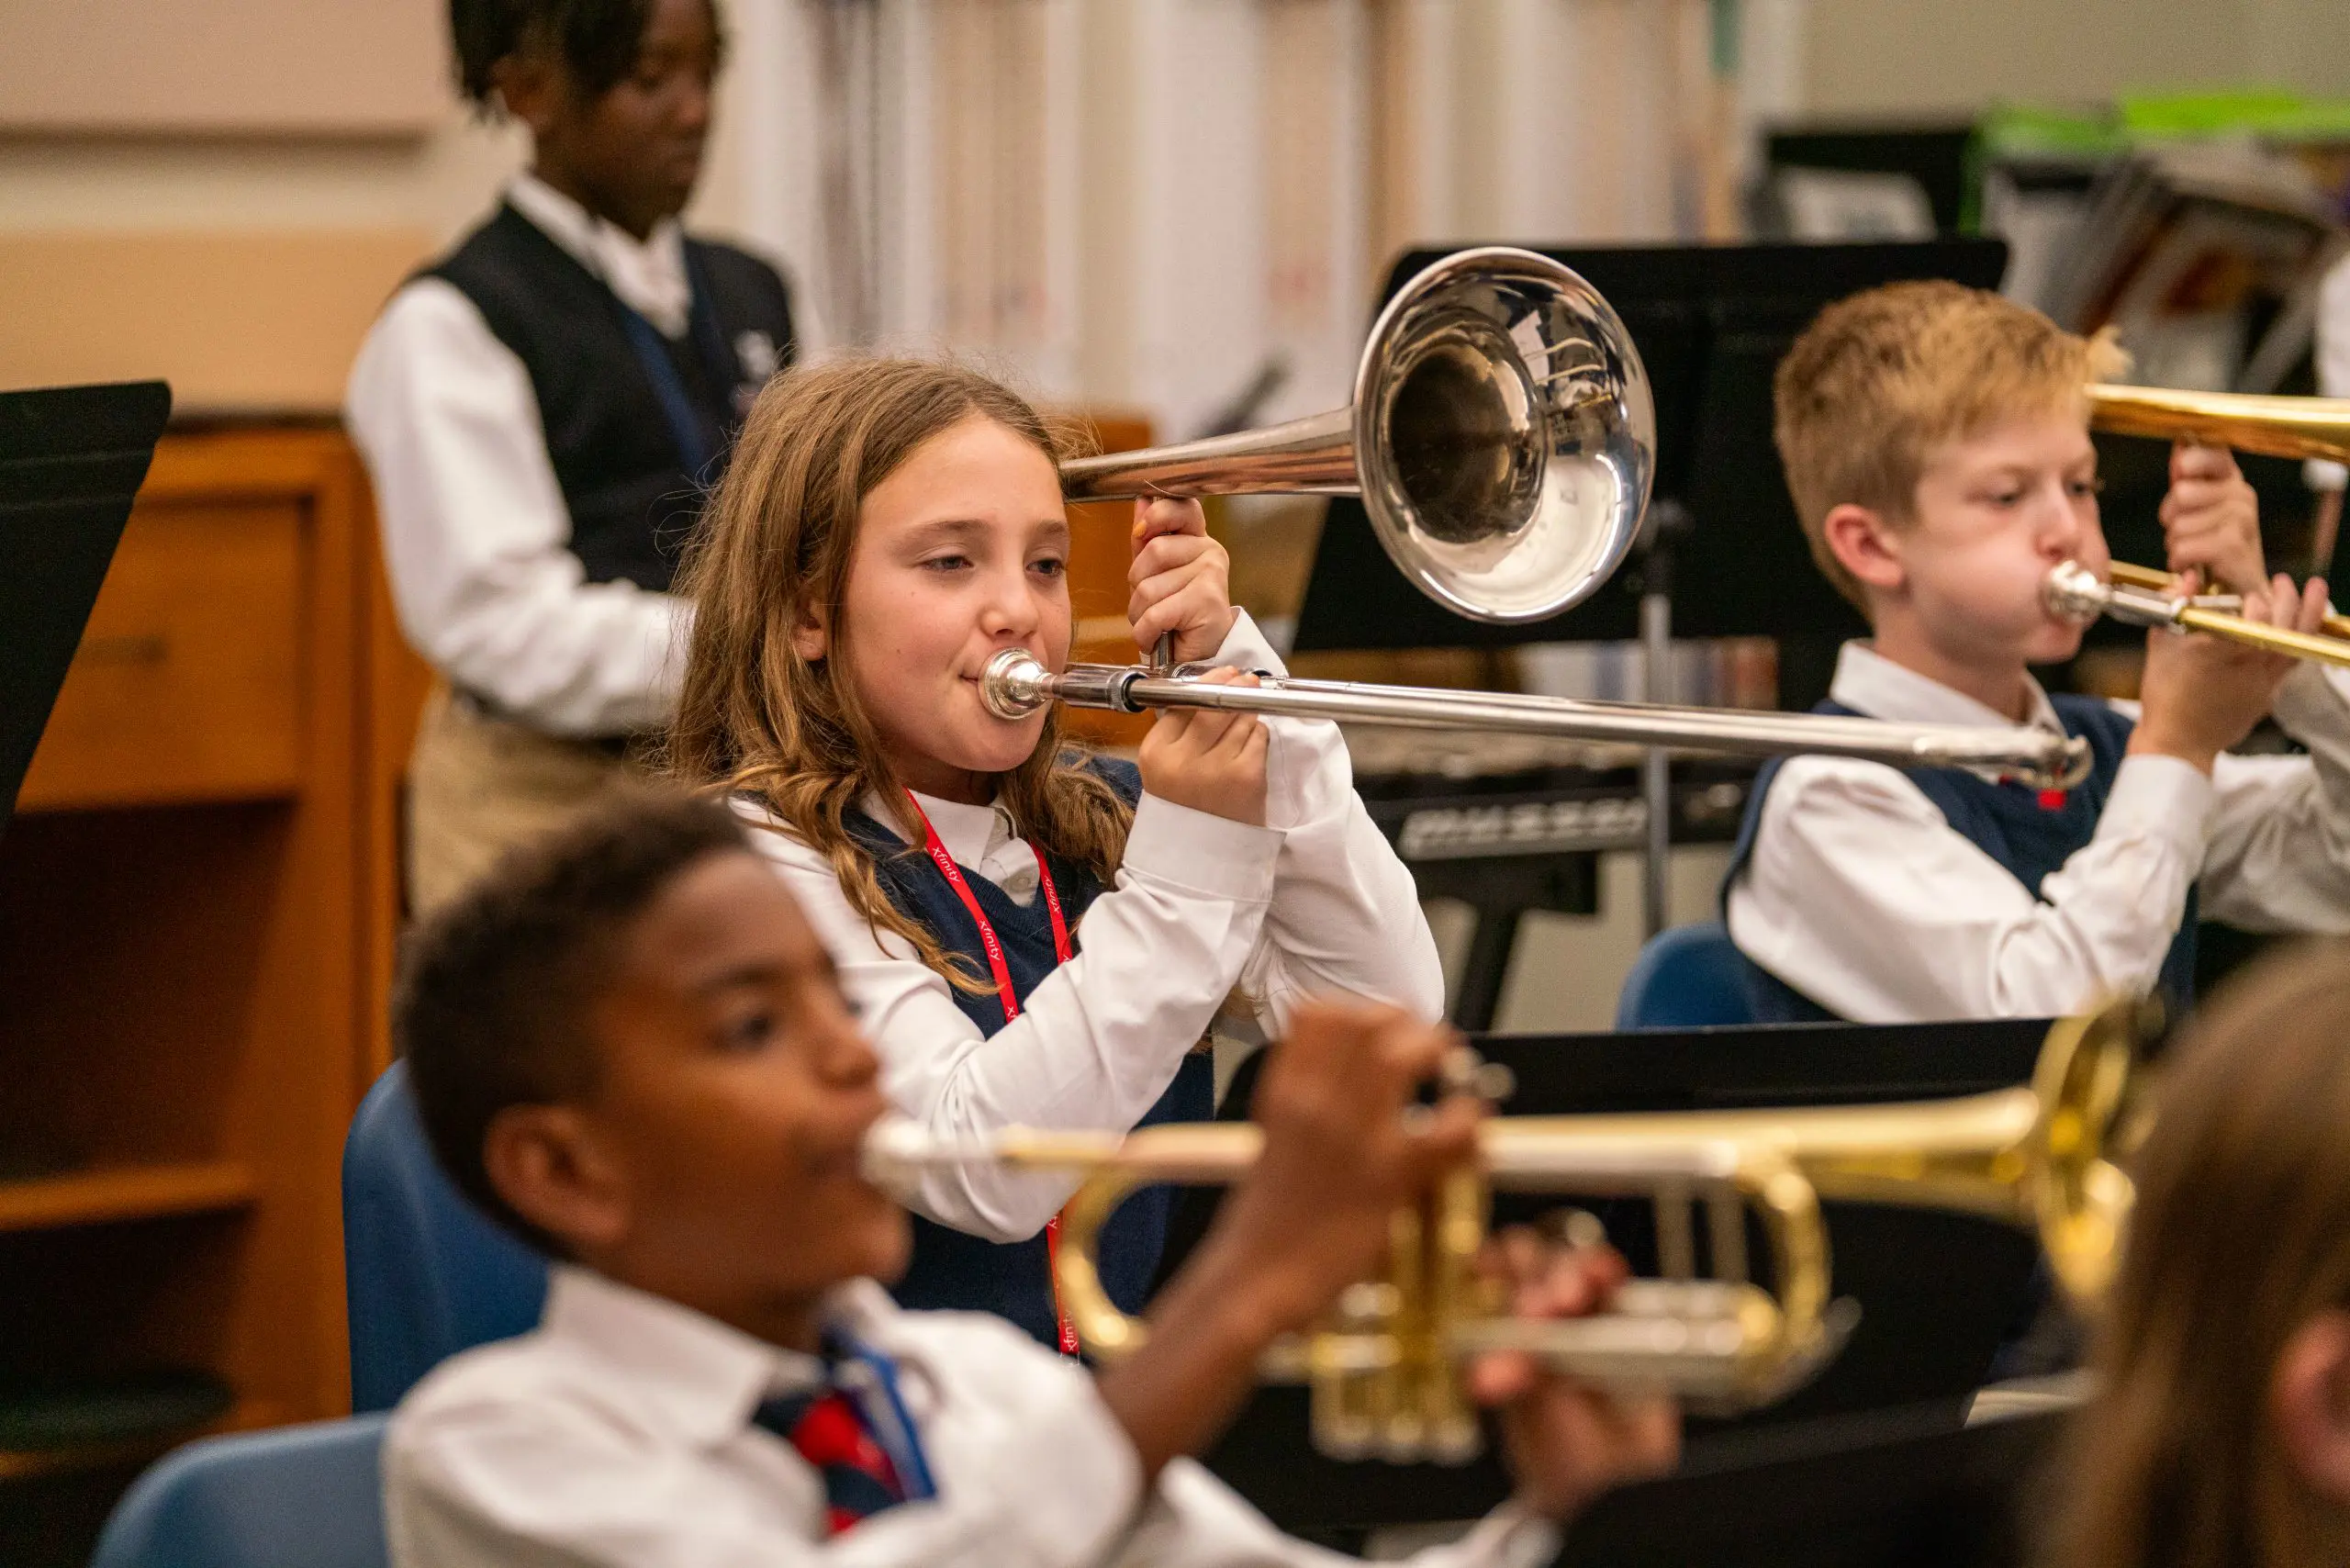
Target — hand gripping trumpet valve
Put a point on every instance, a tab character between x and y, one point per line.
1383	1365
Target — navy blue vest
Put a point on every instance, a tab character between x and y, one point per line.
1012	1280
609	434
2006	822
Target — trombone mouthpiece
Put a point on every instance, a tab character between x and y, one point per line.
1014	683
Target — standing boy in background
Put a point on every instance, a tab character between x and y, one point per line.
541	410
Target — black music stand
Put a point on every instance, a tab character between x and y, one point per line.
1724	554
1885	1492
71	460
1937	1293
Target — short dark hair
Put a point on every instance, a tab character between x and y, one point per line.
494	990
596	39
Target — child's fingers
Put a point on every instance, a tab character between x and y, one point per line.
1500	1376
1246	726
1445	1139
2191	460
1166	553
2313	606
1156	588
1172	728
2199	503
1412	1048
1159	515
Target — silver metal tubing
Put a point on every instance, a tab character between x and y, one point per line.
2073	591
1015	685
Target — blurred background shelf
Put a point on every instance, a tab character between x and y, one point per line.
198	907
125	1192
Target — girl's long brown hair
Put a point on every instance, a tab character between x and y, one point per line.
2241	1234
755	717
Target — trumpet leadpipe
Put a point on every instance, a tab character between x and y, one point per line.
1524	1154
2159	581
2073	591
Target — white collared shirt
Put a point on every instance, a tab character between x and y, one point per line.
1860	895
1314	901
648	274
475	529
617	1435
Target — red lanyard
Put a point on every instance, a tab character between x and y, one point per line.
1002	973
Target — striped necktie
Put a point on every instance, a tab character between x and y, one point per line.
830	1429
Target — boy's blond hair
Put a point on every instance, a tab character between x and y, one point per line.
1881	379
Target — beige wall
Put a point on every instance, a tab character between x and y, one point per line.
244	270
1884	58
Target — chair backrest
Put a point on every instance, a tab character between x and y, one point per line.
308	1496
1688	977
428	1274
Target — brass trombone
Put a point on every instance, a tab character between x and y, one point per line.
1383	1368
2272	427
1503	438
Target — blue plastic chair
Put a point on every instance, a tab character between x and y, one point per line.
1687	978
428	1274
308	1496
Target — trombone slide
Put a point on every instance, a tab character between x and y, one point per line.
1015	685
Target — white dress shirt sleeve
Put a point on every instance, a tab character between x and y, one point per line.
1094	1045
1345	914
1860	895
475	530
2279	858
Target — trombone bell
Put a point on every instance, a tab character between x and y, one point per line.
1501	438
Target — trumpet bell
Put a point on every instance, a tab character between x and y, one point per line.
1501	437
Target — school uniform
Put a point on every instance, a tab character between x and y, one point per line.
1313	902
627	1432
1885	895
540	410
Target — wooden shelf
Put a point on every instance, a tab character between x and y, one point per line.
125	1193
245	1415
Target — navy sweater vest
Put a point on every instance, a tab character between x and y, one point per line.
615	450
1012	1280
2008	822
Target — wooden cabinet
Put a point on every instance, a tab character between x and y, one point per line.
199	904
196	927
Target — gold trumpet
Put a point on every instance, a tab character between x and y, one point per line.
1383	1368
2272	427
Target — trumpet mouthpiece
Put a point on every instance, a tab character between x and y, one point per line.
899	1149
2074	592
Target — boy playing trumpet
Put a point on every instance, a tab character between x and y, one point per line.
1936	441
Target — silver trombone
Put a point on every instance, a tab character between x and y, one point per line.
1503	439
